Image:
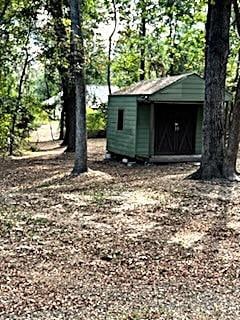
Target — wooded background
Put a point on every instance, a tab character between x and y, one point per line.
121	42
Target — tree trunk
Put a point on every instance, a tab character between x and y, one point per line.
207	30
233	140
216	61
142	48
62	124
172	36
234	128
19	95
110	47
70	119
76	10
56	10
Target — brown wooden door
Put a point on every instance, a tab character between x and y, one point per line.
175	127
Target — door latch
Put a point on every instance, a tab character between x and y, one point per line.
176	126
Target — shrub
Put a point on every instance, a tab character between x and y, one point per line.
4	132
96	122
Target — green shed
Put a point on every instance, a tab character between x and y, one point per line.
158	120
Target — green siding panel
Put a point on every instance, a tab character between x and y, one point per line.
187	89
143	130
122	141
179	97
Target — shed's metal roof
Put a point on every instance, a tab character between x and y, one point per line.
149	87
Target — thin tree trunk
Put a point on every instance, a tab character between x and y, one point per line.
110	46
56	10
234	129
62	124
228	120
51	131
172	24
238	68
46	84
19	95
207	33
4	8
213	123
71	105
80	164
142	48
70	119
233	140
64	110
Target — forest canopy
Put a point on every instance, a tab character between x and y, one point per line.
125	41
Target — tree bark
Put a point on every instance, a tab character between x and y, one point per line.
233	140
142	34
212	165
76	11
172	36
62	124
110	47
230	171
207	31
70	116
142	44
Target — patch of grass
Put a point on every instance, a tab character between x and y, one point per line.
6	225
41	221
34	147
99	197
149	313
13	221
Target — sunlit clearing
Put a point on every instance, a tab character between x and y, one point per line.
187	239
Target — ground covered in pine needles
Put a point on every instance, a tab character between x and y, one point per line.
118	242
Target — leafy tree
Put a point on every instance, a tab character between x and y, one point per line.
62	56
18	26
159	38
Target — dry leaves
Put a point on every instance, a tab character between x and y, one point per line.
118	242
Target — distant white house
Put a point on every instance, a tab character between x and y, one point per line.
54	101
95	96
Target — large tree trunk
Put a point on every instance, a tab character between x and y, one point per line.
213	124
234	127
233	140
76	9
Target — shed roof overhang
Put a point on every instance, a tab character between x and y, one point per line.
147	90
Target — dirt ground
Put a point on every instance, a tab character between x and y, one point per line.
118	242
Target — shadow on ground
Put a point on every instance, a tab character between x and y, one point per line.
117	242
